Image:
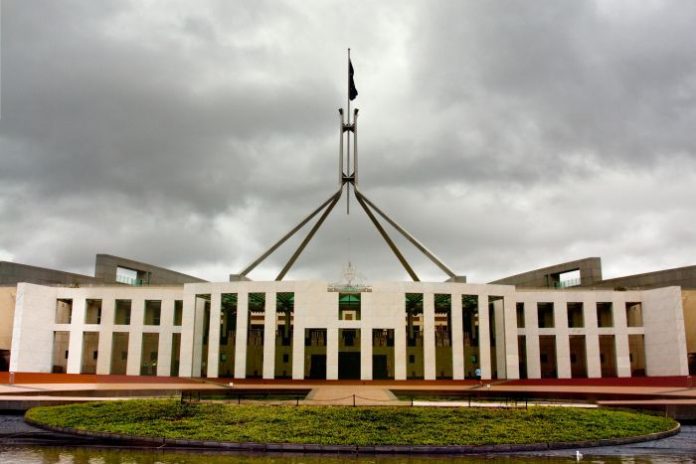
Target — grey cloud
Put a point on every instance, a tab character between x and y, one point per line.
504	135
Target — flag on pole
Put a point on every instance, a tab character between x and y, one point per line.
352	91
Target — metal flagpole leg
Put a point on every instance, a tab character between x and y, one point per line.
309	236
348	142
408	236
340	150
355	146
251	266
386	237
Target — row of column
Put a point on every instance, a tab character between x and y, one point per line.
106	330
192	340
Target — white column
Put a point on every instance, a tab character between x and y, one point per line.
623	356
269	334
214	336
365	352
188	318
429	368
512	358
135	347
164	352
198	326
240	349
594	366
665	336
76	336
400	349
164	345
531	323
457	337
106	332
501	347
484	338
332	353
104	356
562	341
298	341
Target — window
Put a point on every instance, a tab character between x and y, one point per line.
520	315
123	312
178	312
605	317
349	306
64	311
545	312
93	311
153	309
634	314
576	317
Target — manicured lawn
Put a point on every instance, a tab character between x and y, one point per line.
341	425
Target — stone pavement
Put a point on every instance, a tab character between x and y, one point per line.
358	395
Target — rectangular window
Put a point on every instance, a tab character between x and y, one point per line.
61	341
470	329
119	353
443	336
255	335
382	354
349	306
576	318
545	312
93	311
123	312
148	358
228	334
64	310
315	354
605	317
520	315
153	310
285	316
634	314
413	303
178	312
202	305
176	354
90	347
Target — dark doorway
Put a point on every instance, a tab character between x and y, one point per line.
4	360
380	370
317	367
349	365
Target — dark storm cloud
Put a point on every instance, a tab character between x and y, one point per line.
504	135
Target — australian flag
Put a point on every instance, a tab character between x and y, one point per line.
352	91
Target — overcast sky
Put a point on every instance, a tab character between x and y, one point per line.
505	135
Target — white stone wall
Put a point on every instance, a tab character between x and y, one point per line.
382	308
35	323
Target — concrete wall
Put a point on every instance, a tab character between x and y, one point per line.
590	272
383	308
684	277
13	273
689	306
35	324
105	271
7	307
665	335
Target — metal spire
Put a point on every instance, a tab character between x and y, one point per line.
348	177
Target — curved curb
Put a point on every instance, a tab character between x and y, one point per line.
353	449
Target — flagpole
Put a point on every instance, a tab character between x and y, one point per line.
348	140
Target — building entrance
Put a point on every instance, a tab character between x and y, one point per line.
349	365
317	367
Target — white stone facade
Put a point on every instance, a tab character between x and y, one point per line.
658	345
